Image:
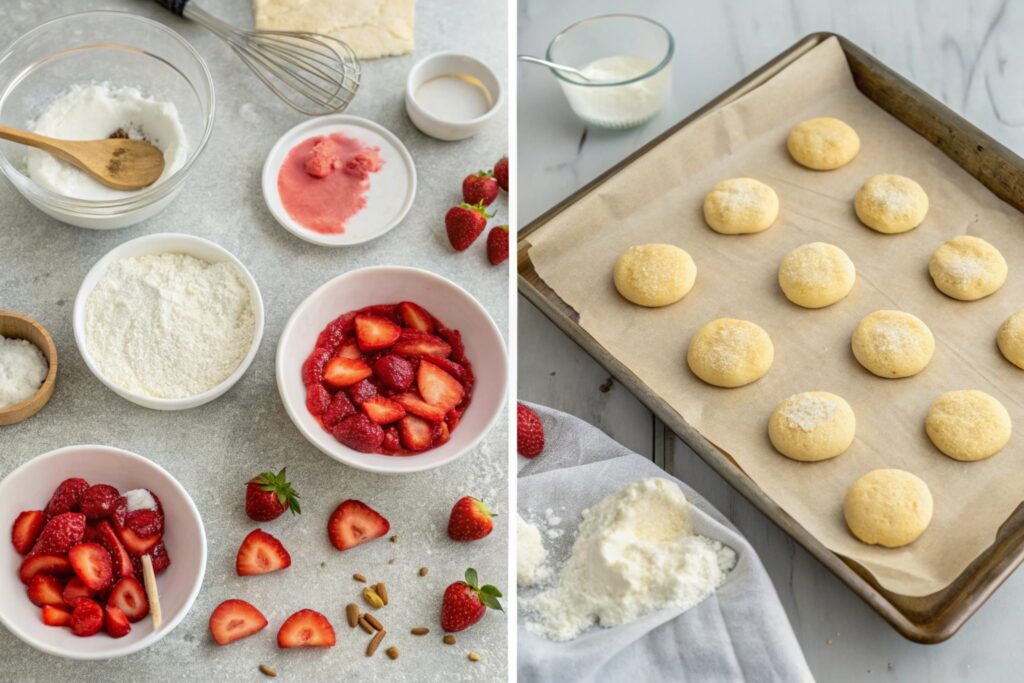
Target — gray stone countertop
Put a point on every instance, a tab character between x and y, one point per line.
215	449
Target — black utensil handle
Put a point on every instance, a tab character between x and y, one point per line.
176	6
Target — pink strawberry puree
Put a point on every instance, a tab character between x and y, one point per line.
323	181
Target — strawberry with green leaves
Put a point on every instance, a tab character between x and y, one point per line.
464	224
465	603
470	520
268	495
480	188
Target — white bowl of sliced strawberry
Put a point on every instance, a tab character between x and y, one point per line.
106	552
392	370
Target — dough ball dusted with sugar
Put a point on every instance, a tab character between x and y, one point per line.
967	268
891	508
812	426
892	344
968	425
654	274
740	205
1011	339
816	275
823	144
730	353
891	203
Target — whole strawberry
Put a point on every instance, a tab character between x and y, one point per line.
501	173
529	432
480	188
470	520
268	495
465	603
497	244
464	224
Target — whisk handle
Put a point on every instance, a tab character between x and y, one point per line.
176	6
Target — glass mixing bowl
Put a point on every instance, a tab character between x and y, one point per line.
96	47
640	82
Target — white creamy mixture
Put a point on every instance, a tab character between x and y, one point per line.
93	112
622	105
23	368
635	552
530	553
169	325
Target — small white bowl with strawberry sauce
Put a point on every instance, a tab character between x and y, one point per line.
30	488
392	370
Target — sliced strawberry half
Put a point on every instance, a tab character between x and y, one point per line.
416	317
46	589
26	529
91	564
75	590
417	406
354	522
44	563
55	616
120	560
145	522
383	410
344	372
66	497
451	367
437	387
417	434
235	619
261	553
135	544
394	372
306	628
115	622
99	501
86	618
129	596
350	349
359	433
60	534
416	343
374	333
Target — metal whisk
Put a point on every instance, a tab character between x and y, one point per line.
314	73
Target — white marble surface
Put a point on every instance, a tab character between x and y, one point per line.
969	55
215	449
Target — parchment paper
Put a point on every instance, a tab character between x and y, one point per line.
659	199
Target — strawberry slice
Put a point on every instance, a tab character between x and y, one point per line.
361	391
261	553
91	563
86	618
383	410
350	349
359	433
44	563
443	434
45	589
416	343
306	628
437	387
115	622
416	317
417	406
26	530
55	616
235	619
161	560
66	497
119	557
451	367
129	596
99	501
145	522
354	522
374	333
135	544
417	434
395	372
318	399
75	591
344	372
60	534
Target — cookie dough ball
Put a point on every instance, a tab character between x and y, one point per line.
740	205
1011	339
730	353
967	268
891	203
968	425
654	274
812	426
892	344
891	508
823	144
816	275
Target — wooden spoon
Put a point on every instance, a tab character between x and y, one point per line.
119	163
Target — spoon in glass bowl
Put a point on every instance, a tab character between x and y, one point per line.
557	67
120	163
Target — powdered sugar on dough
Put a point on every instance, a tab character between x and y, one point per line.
809	412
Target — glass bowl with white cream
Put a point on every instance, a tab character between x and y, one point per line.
627	61
102	74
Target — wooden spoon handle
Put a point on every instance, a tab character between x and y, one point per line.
47	144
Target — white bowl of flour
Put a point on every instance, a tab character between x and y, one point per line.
168	321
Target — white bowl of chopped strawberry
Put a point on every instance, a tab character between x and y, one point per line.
391	369
106	552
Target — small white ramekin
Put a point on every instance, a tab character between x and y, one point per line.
446	64
161	243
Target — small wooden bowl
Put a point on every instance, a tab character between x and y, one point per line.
16	326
